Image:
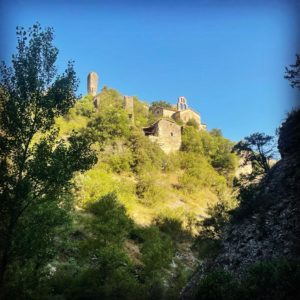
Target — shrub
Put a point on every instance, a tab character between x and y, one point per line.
122	162
218	285
157	250
146	155
110	223
149	188
171	226
276	280
193	123
109	125
208	241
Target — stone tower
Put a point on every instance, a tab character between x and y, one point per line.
128	106
92	83
182	104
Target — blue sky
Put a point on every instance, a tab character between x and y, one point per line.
226	57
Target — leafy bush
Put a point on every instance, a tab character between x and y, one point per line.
218	285
157	250
122	162
214	147
111	223
109	125
193	123
199	174
141	113
85	106
161	103
149	188
191	140
111	276
171	226
208	241
277	280
146	155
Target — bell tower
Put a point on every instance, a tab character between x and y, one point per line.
182	104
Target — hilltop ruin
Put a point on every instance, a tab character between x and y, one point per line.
166	131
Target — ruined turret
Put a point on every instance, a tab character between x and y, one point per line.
92	83
128	106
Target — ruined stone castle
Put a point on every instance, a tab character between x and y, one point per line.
166	131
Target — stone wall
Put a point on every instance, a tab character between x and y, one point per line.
162	112
186	115
167	135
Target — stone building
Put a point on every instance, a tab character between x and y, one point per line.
186	115
166	133
162	112
92	83
182	114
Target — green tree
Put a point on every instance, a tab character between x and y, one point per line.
191	140
293	73
258	149
108	125
35	172
208	241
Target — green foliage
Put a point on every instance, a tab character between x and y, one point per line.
122	162
293	73
171	226
112	223
193	123
157	251
98	182
191	141
277	280
208	240
109	125
218	285
85	107
141	114
110	98
103	269
251	200
199	173
258	149
35	172
146	155
161	103
216	149
149	189
111	276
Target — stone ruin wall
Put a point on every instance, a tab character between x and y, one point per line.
187	115
167	136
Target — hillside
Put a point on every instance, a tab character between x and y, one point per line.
150	201
148	182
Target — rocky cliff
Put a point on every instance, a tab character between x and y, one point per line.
272	230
